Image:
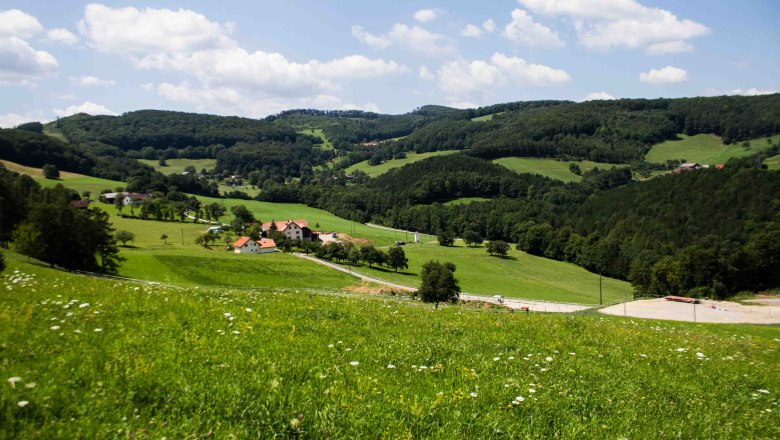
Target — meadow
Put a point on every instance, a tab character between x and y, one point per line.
486	117
705	149
177	166
773	163
317	132
94	358
384	167
519	275
552	168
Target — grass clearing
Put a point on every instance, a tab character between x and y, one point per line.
35	173
384	167
466	200
519	276
317	132
552	168
177	166
773	163
705	149
486	117
98	358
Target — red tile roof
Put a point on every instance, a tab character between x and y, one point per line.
241	241
282	225
266	243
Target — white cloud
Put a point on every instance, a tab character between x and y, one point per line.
666	75
62	35
471	31
20	63
413	38
426	74
752	92
604	24
524	30
90	80
489	25
87	107
425	15
669	47
468	78
462	104
375	41
149	87
11	120
151	31
597	96
19	24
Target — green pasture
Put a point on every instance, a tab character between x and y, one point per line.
466	200
705	149
177	166
82	183
486	117
384	167
92	358
317	132
520	275
773	163
552	168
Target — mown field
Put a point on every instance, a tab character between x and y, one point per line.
466	200
773	163
705	148
554	169
384	167
317	132
520	275
177	166
94	358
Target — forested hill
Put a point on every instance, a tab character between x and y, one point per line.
166	129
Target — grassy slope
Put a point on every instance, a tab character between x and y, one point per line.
465	200
486	117
376	170
326	144
196	363
521	276
704	148
554	169
177	166
773	162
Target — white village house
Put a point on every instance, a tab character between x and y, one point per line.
245	245
292	229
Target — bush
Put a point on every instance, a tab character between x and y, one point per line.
51	171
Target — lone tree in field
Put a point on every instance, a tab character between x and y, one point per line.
498	247
51	171
124	236
472	237
164	238
396	258
446	238
438	283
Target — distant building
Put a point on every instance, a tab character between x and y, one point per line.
128	198
214	230
246	245
292	229
690	166
81	204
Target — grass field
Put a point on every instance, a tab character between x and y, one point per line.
177	166
317	132
554	169
486	117
82	183
704	148
466	200
773	162
94	358
382	168
519	276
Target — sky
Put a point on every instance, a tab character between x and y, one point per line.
254	58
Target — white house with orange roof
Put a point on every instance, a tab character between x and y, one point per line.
292	229
245	245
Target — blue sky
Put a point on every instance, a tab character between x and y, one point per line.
254	58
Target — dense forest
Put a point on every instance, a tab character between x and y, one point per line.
709	232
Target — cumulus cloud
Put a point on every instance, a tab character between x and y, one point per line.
465	79
524	30
425	15
413	38
89	81
605	24
752	92
87	107
597	96
19	24
666	75
426	74
489	25
21	64
11	120
62	35
471	31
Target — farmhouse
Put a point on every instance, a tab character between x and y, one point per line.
246	245
128	198
80	204
690	166
293	229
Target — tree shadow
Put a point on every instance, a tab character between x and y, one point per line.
505	257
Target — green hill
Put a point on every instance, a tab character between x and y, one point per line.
382	168
706	149
98	358
554	169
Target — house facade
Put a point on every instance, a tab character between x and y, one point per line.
292	229
246	245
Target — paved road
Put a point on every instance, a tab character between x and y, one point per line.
513	303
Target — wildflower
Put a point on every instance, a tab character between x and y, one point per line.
700	355
518	400
30	385
682	349
248	310
55	327
473	394
511	358
531	390
330	345
98	330
347	349
496	358
643	355
548	358
391	366
236	332
543	369
354	363
13	380
572	354
22	403
764	391
82	305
